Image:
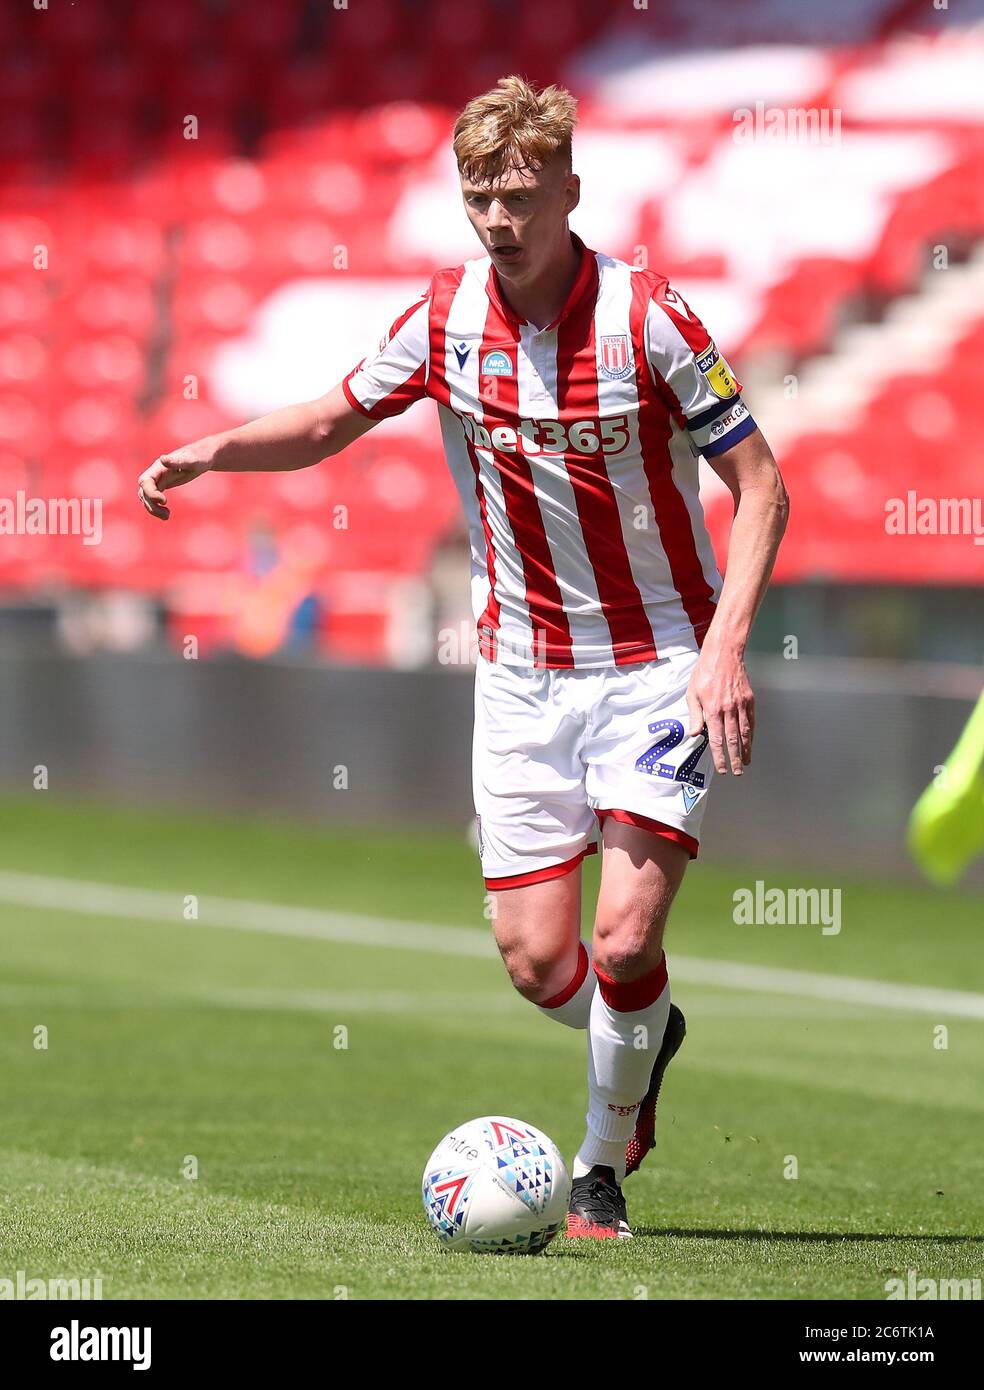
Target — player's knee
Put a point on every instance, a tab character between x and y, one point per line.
628	937
535	974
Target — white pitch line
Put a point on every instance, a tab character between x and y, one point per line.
386	1001
151	905
845	989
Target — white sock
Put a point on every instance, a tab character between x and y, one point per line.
574	1008
623	1043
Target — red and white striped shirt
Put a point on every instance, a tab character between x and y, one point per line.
574	449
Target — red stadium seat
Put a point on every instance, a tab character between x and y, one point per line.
76	31
25	301
24	361
256	28
218	245
113	363
234	187
179	27
801	312
26	134
25	426
25	241
212	84
397	131
466	26
114	84
301	89
374	25
177	421
27	76
298	246
951	203
95	421
17	26
212	304
108	245
125	304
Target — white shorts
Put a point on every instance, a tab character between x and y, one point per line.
557	751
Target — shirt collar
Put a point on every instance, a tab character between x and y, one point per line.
585	281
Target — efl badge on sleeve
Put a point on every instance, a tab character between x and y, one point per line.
616	360
716	372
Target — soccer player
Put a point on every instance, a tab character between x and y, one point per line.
575	395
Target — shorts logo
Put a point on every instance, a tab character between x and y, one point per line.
616	360
496	363
716	373
690	796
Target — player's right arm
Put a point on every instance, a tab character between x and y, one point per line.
295	437
382	385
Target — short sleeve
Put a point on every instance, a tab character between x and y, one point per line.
681	351
388	382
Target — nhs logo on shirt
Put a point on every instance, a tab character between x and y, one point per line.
616	359
497	363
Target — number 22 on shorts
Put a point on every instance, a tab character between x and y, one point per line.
673	734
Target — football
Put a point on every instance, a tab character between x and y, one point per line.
496	1186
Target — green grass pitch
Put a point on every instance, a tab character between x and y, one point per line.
174	1039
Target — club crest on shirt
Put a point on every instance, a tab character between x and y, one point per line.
716	372
497	363
616	359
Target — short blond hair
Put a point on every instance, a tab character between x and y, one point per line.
513	126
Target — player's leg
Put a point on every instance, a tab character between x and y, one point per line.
538	931
632	1010
647	780
534	830
630	1013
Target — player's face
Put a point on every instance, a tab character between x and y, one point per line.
520	219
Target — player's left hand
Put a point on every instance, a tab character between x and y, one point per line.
720	696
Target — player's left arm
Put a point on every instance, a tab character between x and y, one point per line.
720	694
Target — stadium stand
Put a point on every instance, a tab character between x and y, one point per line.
138	302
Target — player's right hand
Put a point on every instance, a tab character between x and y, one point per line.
171	470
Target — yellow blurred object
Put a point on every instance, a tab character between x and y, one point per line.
946	828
